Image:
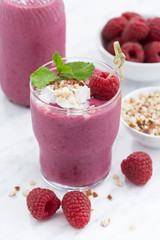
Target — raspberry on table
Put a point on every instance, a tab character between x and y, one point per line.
114	28
42	203
135	30
129	15
152	52
137	168
133	51
154	29
77	208
109	45
102	88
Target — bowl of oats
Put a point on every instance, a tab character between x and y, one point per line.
141	115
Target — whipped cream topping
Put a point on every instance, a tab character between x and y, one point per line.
67	94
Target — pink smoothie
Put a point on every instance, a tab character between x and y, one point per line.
75	150
30	32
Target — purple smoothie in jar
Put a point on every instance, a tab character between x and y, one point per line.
75	145
29	32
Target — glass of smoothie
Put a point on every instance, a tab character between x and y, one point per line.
76	144
30	30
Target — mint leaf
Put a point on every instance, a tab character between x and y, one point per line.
43	76
81	70
66	69
67	76
61	68
58	61
72	70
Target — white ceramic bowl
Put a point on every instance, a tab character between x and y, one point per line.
143	138
140	72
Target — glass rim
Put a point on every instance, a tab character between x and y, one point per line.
80	110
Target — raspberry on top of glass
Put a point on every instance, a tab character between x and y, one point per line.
73	85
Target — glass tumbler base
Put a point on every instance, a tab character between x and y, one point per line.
66	187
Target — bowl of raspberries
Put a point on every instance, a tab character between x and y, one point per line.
139	38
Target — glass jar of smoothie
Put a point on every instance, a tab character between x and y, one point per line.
30	30
76	145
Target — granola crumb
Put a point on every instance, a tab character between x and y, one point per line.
88	192
12	194
105	222
109	197
25	192
32	182
95	194
132	227
17	188
115	177
119	183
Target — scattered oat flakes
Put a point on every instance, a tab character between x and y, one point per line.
119	183
105	222
12	194
32	182
17	188
116	177
25	192
132	227
110	197
95	194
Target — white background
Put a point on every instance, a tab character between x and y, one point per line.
19	153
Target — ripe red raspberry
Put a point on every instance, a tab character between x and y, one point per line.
114	28
133	51
148	21
137	168
129	15
42	203
135	30
152	52
102	88
77	208
154	29
109	46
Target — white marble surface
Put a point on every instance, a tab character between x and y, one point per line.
19	154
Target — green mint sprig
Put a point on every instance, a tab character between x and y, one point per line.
79	71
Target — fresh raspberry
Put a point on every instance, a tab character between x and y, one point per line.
154	32
77	208
133	52
102	88
129	15
137	168
135	30
152	52
114	28
42	203
109	46
148	21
